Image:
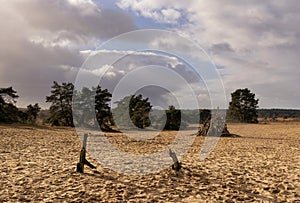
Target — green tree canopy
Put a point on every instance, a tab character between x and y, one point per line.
7	95
84	108
9	113
32	112
91	108
243	106
132	109
102	108
61	109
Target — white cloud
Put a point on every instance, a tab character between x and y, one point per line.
257	42
170	15
157	10
106	71
141	58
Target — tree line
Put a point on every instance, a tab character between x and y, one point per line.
9	113
278	113
92	109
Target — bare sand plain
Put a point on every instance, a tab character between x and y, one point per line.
263	165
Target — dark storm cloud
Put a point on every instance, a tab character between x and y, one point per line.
41	42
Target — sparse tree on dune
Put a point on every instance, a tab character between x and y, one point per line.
92	108
133	110
102	108
243	106
9	113
61	109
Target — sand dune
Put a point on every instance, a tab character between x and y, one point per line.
263	165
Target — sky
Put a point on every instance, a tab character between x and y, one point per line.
253	44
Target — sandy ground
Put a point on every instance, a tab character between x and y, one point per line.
263	165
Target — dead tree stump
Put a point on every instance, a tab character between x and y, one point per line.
202	131
214	126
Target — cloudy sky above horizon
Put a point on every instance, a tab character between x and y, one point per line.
254	44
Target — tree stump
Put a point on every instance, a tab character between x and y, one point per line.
225	131
214	126
202	131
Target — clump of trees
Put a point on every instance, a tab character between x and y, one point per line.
243	106
9	113
92	108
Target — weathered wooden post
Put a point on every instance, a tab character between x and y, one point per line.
82	159
176	164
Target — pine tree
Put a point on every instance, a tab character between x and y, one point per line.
9	113
84	108
102	108
91	108
243	106
61	107
133	110
32	112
